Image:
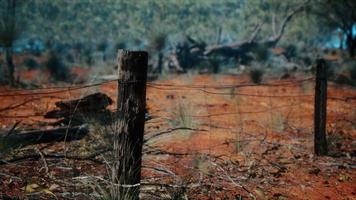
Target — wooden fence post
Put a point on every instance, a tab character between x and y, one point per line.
320	143
128	138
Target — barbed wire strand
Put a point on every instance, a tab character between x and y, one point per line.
59	89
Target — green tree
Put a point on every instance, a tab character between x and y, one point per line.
8	34
339	14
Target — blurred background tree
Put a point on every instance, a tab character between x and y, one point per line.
339	15
89	32
9	32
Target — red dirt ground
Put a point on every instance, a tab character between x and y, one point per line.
249	141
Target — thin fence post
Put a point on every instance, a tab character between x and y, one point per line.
128	138
320	143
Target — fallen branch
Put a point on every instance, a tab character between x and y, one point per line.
37	156
88	104
44	136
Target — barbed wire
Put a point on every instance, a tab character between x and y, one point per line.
254	95
246	112
59	89
26	101
346	99
160	86
229	86
194	116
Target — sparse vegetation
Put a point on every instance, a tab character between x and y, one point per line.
240	145
278	122
231	106
201	164
182	117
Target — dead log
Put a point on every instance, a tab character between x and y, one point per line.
44	136
191	52
76	111
103	117
246	46
92	102
185	55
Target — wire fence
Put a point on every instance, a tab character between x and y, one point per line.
160	86
49	92
218	121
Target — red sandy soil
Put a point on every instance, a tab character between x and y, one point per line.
246	145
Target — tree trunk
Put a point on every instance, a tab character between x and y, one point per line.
351	44
341	38
160	62
10	66
128	138
353	47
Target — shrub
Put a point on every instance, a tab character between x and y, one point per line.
58	70
256	75
31	63
88	55
261	53
102	46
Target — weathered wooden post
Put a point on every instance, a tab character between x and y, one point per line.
128	139
320	143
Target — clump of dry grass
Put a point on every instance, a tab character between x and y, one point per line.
278	123
182	116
